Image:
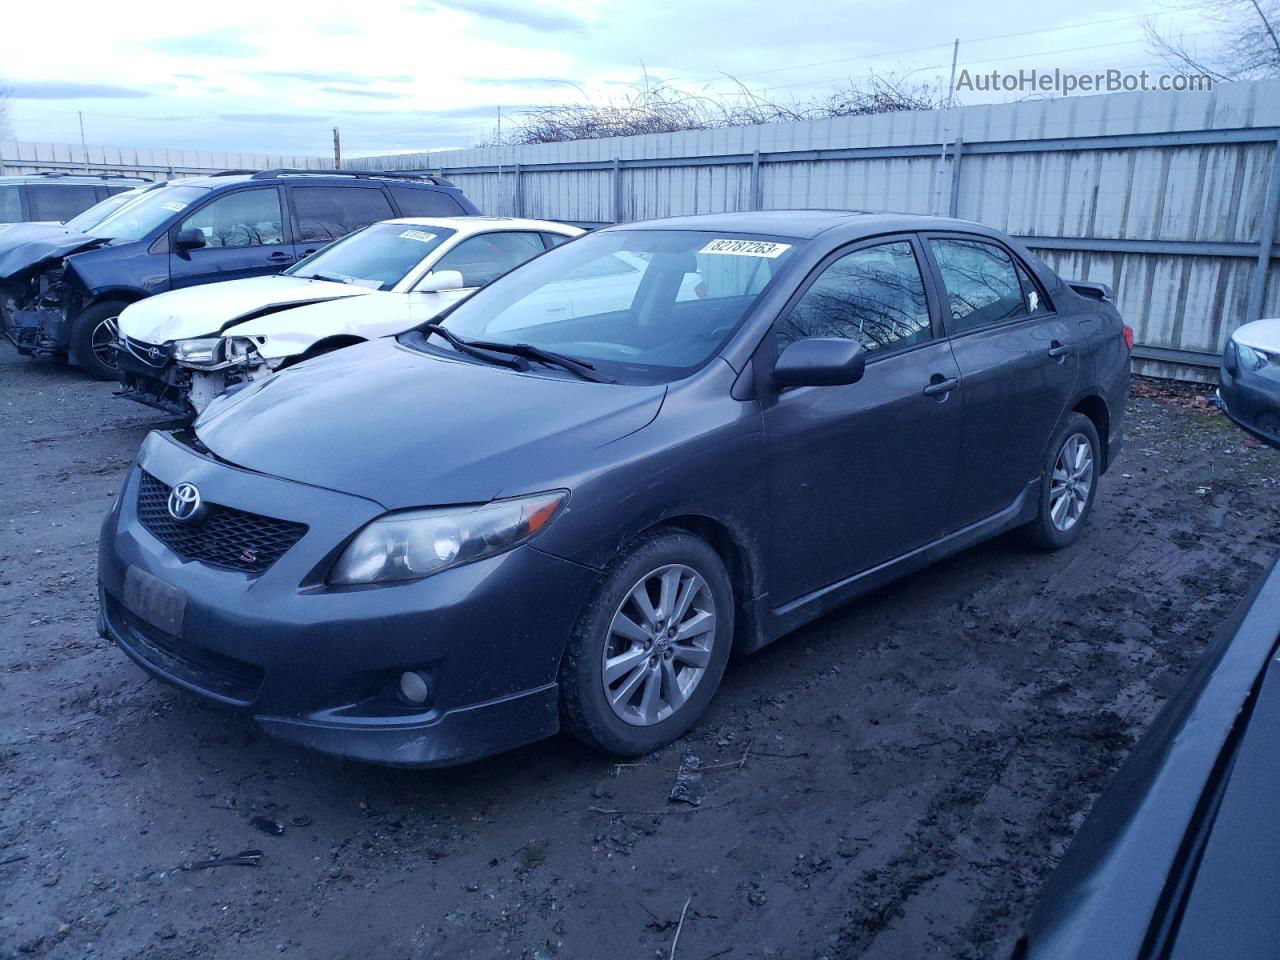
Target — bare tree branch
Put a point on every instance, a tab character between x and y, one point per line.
1248	47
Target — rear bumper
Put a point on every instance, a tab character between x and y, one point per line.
319	666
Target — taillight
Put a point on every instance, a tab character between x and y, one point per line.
1128	338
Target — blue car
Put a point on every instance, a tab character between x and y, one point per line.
60	294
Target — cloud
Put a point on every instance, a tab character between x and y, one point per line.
355	92
226	42
538	82
352	79
542	19
65	90
270	117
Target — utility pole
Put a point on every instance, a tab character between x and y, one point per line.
951	90
83	146
337	149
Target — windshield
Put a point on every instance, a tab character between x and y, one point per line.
653	304
379	256
84	222
153	209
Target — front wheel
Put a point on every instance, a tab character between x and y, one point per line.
650	647
93	337
1068	484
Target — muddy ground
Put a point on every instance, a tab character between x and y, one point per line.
895	780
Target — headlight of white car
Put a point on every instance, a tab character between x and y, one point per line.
412	544
199	350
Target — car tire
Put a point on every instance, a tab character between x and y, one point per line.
640	723
89	334
1068	484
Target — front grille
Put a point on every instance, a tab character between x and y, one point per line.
225	537
142	351
214	673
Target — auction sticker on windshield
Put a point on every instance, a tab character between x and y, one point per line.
420	235
746	248
177	206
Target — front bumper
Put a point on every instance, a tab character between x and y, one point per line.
1252	402
318	666
37	331
152	377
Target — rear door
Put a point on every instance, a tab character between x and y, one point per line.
323	213
244	235
1018	361
863	473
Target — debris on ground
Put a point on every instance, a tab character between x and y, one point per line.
689	786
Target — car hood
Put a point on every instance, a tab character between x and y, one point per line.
380	314
1262	335
25	246
208	309
406	428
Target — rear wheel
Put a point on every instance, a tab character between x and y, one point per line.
650	647
1068	484
92	338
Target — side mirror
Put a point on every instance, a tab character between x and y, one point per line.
192	238
820	362
438	280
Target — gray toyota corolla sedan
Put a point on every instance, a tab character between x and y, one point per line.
567	501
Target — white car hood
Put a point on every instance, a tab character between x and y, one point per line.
1262	335
205	310
379	314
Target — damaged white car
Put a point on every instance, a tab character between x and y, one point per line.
179	350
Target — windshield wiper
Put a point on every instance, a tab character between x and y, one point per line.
582	368
474	349
331	277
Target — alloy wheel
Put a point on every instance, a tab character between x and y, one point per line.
103	341
1072	482
659	645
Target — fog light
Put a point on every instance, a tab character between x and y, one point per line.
415	688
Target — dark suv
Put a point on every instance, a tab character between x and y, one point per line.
56	197
62	294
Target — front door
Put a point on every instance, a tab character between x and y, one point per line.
244	237
863	473
1018	359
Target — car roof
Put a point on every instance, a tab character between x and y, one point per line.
94	179
808	224
488	224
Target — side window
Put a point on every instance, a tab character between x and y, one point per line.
329	213
58	202
874	295
424	202
10	205
248	218
554	239
484	258
982	283
1032	295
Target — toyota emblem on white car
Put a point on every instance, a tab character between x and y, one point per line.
184	502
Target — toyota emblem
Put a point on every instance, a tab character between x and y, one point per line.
185	505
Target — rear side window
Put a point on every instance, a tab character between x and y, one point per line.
10	205
327	213
58	201
874	295
486	257
981	281
425	202
248	218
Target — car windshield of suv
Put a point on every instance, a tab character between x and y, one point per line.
86	221
379	256
647	304
153	209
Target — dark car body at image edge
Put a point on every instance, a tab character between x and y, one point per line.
808	495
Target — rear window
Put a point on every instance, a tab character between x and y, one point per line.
59	202
425	202
327	213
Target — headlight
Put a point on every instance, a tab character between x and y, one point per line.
411	544
195	351
1251	359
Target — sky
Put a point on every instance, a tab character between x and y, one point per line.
408	75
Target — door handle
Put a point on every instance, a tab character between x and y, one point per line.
940	387
1059	350
280	256
309	252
